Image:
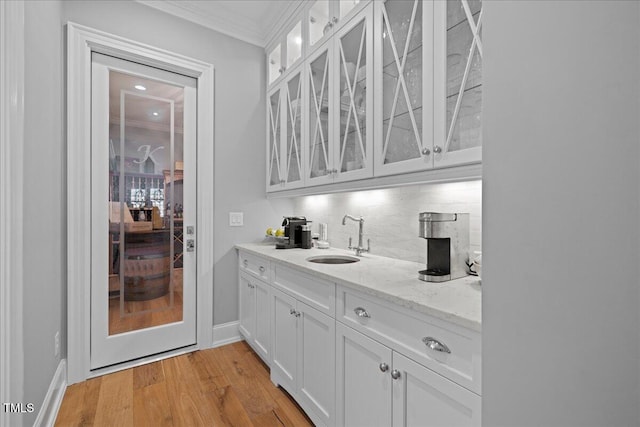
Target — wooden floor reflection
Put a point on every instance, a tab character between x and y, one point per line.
145	314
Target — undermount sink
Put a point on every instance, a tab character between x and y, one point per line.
333	259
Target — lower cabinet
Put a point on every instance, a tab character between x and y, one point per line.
304	355
377	386
255	316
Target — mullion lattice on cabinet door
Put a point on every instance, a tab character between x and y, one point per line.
351	91
475	44
293	116
401	81
275	134
317	102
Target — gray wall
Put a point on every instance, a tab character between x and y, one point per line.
560	213
239	123
44	199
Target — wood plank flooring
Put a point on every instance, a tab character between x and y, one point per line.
224	386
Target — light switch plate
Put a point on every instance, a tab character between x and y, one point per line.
236	219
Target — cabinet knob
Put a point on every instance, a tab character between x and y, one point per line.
395	374
361	312
435	345
437	149
251	286
262	269
384	367
245	263
334	20
426	151
292	311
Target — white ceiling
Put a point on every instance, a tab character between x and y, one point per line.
253	21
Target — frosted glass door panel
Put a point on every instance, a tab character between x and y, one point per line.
294	130
273	168
319	113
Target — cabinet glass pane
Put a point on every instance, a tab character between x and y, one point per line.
275	63
294	44
346	6
464	76
318	21
294	104
274	138
402	80
319	116
352	86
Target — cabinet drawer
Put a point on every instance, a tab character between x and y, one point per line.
405	331
255	265
318	293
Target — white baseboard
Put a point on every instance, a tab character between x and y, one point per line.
52	401
226	333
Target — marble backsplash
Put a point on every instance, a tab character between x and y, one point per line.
391	215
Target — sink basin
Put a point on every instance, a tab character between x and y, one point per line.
333	259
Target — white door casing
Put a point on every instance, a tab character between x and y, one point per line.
81	42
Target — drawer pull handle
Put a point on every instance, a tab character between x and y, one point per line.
384	367
395	374
361	312
262	269
436	345
245	263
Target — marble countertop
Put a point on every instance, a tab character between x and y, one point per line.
457	301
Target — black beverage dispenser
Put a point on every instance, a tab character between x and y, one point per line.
447	236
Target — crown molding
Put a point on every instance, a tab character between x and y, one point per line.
228	21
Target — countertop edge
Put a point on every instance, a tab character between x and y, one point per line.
398	300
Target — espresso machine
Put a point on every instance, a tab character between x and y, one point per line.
297	233
447	236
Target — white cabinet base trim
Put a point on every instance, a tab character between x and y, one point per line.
226	333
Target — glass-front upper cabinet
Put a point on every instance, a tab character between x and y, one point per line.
353	125
285	158
404	110
274	133
285	53
319	70
458	82
324	17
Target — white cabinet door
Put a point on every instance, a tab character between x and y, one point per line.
404	82
275	113
363	383
316	363
423	398
458	82
262	330
292	158
353	56
284	327
320	117
247	297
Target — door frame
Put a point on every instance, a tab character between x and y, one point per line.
11	198
81	42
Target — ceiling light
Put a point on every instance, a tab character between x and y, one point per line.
140	87
155	113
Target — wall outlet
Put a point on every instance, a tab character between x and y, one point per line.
56	345
236	219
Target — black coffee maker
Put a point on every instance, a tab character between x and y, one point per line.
297	233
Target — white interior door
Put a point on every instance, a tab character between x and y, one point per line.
143	211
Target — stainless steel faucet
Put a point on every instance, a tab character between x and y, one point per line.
359	249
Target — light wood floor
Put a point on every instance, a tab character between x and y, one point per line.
225	386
